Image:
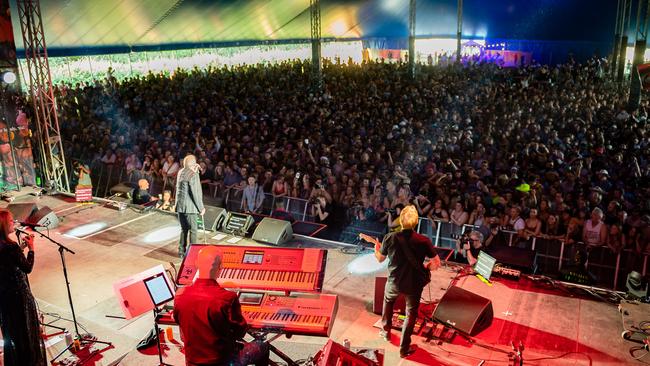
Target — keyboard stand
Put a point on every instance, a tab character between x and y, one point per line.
261	336
156	313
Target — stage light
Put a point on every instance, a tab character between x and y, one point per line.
366	264
637	285
8	77
163	234
83	230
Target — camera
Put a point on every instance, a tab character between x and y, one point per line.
314	201
463	239
392	211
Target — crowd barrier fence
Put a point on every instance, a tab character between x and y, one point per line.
552	255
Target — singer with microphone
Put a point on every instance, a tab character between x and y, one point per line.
189	201
23	345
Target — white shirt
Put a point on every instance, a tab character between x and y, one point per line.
170	169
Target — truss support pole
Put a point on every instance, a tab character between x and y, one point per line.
625	23
412	9
639	53
459	30
617	39
41	91
316	61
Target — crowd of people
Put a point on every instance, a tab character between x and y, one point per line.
544	151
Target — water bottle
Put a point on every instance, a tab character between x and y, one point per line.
68	338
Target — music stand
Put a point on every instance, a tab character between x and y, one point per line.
160	293
484	266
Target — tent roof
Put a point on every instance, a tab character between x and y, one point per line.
81	26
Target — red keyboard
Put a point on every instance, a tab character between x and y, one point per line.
300	314
263	268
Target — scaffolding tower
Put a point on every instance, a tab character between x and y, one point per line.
41	92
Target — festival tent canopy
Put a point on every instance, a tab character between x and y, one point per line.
75	27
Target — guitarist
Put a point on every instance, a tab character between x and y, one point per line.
406	251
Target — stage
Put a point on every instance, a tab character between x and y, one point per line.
555	329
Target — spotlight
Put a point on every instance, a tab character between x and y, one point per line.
637	285
8	77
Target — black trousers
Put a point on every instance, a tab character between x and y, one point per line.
251	353
188	225
391	292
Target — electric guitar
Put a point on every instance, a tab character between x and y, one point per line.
431	264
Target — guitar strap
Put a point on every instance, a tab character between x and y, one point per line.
411	258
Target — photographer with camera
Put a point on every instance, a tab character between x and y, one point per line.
319	190
468	246
393	215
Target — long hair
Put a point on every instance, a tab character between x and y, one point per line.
6	220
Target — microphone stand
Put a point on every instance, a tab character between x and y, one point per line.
85	339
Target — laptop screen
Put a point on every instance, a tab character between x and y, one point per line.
158	289
484	264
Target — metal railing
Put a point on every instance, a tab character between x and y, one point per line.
552	255
299	208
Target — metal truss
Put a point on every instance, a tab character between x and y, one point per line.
317	66
41	91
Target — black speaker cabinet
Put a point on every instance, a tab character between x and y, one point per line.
22	211
464	310
378	302
273	231
214	217
513	257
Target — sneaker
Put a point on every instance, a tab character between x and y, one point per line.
384	335
408	352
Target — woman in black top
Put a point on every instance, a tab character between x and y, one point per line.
18	315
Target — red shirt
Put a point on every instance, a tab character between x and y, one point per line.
210	321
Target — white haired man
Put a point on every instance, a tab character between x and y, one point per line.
189	201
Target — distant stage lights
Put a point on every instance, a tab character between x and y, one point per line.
8	77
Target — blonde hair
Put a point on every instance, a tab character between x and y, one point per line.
189	161
408	218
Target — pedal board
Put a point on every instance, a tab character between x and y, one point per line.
398	322
505	272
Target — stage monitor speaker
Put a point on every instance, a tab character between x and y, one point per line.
44	218
464	310
214	217
273	231
22	211
378	302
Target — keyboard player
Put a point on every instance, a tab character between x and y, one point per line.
211	321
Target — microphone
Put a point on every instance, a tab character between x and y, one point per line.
21	231
28	224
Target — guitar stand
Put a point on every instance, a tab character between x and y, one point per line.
261	336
